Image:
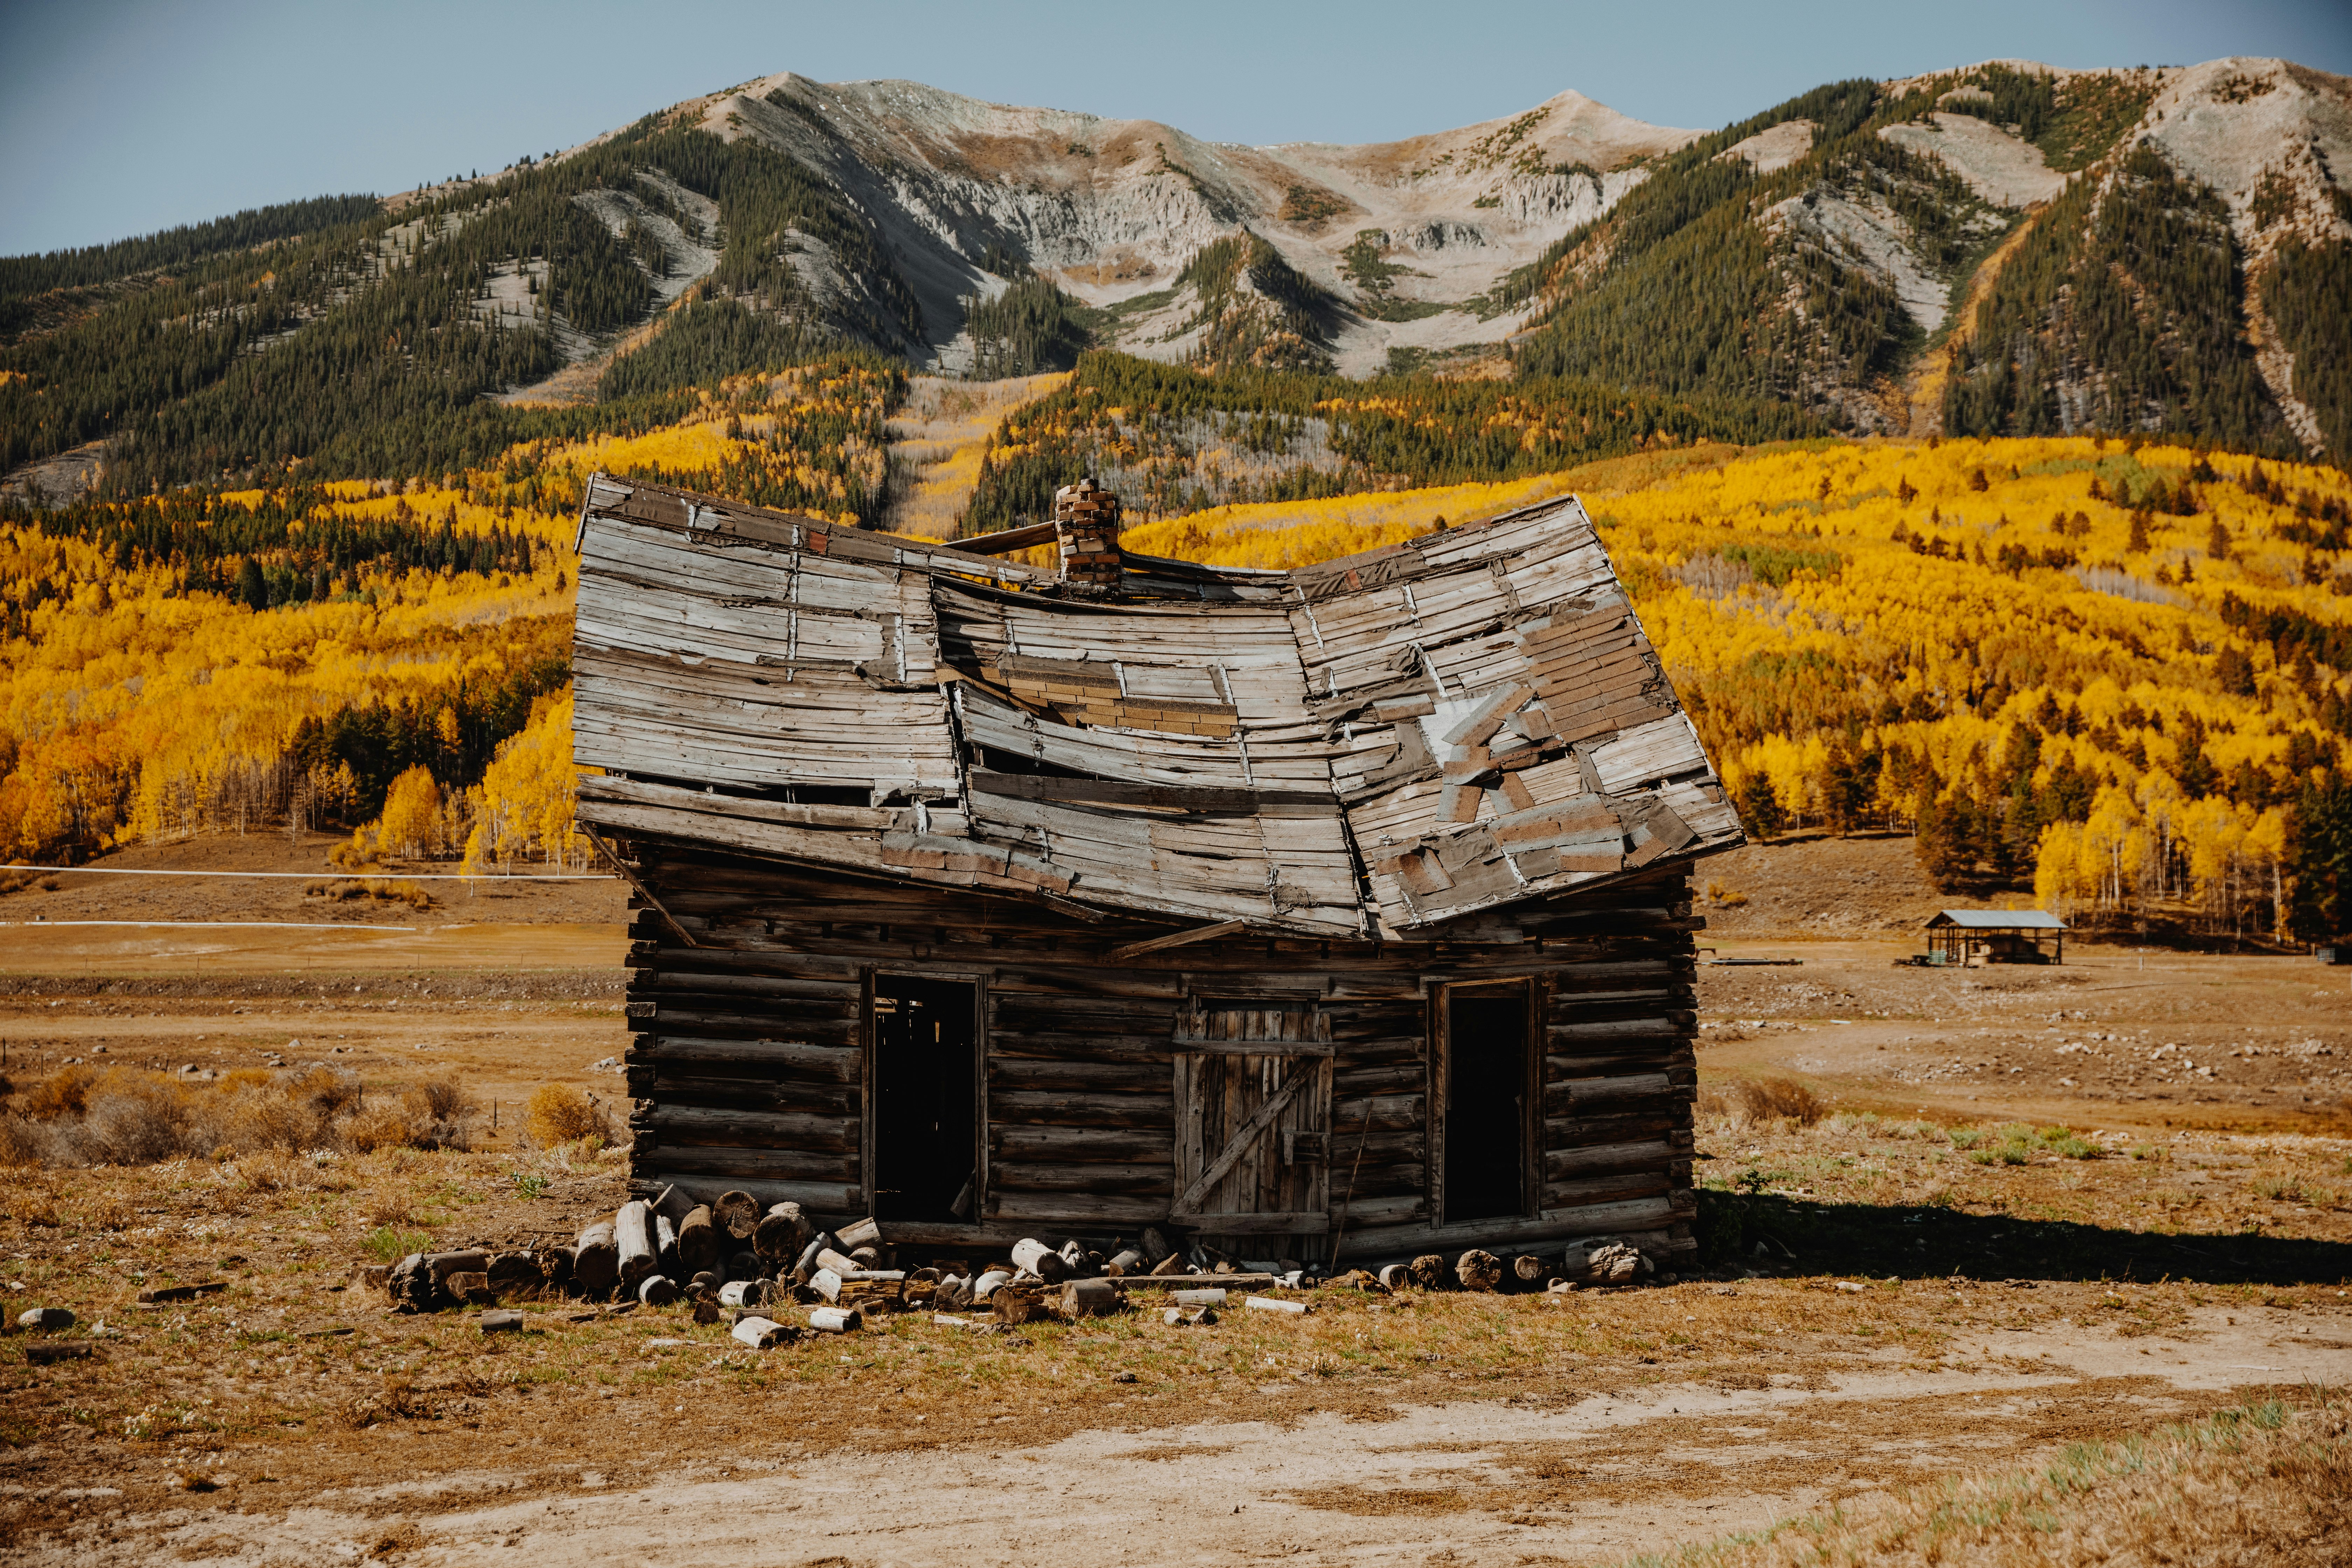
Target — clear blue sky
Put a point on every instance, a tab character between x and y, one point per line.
124	116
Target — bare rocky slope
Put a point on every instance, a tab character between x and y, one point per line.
1113	209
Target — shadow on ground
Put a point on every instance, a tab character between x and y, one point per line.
1920	1242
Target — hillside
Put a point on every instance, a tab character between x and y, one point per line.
2003	250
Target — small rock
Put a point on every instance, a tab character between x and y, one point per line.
1122	1377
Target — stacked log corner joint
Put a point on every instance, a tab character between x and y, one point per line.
1086	524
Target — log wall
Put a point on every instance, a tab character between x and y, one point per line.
747	1007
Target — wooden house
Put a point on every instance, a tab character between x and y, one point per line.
1337	911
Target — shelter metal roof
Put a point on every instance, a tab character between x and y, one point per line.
1998	920
1460	722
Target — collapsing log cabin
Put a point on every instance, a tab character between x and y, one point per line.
1342	913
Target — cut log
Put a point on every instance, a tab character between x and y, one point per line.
1268	1304
835	1320
738	1215
166	1293
762	1333
954	1294
826	1282
470	1287
1478	1270
46	1320
518	1274
1395	1275
1034	1256
445	1264
989	1283
1014	1304
1155	1245
857	1234
1428	1272
829	1258
636	1249
808	1263
744	1293
706	1311
557	1263
1172	1264
697	1241
783	1232
666	1241
596	1261
674	1204
1529	1271
865	1256
1091	1298
1205	1297
501	1322
1126	1260
50	1353
746	1266
657	1291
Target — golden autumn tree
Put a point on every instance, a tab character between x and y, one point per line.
528	794
412	814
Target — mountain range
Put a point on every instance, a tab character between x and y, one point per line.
2002	248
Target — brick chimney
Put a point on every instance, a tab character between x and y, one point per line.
1086	523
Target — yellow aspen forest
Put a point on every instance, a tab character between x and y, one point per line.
223	662
2108	676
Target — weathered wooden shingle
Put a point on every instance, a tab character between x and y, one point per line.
1375	745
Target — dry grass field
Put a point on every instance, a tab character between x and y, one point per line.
2094	1309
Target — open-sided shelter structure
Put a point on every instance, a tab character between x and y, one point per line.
1343	909
1995	936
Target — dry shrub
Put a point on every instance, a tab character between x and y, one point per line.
1749	1101
64	1093
563	1113
343	889
122	1116
382	1126
24	1143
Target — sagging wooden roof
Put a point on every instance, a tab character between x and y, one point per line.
1361	748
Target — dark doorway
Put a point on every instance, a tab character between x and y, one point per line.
926	1098
1486	1104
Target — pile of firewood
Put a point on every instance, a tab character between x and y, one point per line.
730	1258
1584	1264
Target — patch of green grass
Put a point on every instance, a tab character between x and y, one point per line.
390	1243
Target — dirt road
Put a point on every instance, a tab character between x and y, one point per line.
1560	1478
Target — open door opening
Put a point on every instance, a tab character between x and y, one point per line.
1486	1104
926	1098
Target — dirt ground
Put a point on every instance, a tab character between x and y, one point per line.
298	886
2018	1222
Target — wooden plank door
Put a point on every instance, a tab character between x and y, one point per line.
1253	1123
